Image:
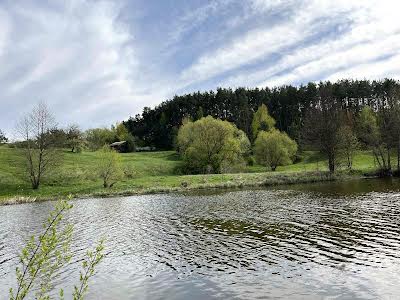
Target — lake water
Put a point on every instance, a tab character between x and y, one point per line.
330	240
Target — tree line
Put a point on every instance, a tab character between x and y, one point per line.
326	116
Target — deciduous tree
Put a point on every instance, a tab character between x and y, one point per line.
262	121
209	144
39	145
109	166
75	139
348	144
44	256
322	124
274	148
369	134
98	137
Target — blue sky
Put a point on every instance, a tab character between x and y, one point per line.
98	62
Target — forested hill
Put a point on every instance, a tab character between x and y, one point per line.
287	104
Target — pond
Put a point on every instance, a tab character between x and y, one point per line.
328	240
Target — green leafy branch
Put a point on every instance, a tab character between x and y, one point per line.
43	257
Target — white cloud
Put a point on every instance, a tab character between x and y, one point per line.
77	57
261	43
375	33
195	18
82	59
370	30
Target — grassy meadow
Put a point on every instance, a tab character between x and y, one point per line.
150	172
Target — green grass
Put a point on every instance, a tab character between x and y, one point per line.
148	173
315	161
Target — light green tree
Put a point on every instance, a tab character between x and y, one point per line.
122	134
348	144
369	134
98	137
109	166
262	121
274	148
43	256
209	145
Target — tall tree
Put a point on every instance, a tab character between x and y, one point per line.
322	124
369	134
98	137
41	155
348	144
262	121
199	113
395	130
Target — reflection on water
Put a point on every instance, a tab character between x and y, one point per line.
308	241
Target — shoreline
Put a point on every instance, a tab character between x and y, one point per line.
236	181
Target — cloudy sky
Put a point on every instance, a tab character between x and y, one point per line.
98	62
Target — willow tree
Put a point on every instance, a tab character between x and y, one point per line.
208	145
262	121
274	148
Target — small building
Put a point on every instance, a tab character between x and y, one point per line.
118	146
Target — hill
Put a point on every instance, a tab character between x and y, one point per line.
150	172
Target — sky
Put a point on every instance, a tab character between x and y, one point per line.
96	63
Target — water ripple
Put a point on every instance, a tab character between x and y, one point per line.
243	244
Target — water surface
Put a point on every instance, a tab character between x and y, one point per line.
330	240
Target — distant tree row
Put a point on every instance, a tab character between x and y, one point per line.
76	140
335	118
288	105
337	129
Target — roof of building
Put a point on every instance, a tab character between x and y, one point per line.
118	143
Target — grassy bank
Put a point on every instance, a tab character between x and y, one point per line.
153	172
